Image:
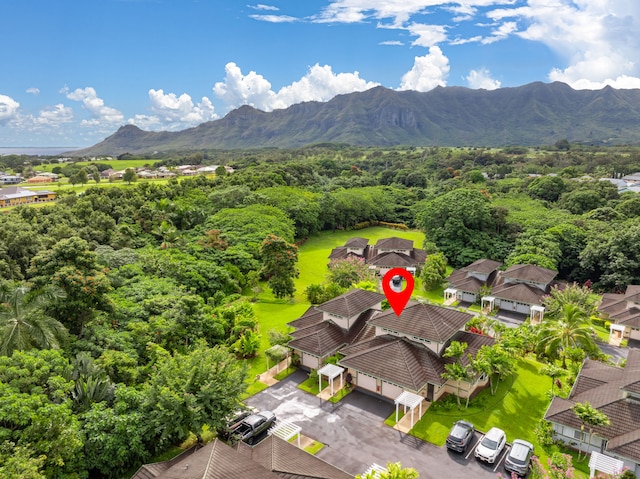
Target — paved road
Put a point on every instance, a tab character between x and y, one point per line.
355	436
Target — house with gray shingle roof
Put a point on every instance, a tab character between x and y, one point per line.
386	254
384	353
404	353
623	313
322	330
613	391
521	289
272	458
466	284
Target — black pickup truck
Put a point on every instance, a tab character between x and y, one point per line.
225	433
253	426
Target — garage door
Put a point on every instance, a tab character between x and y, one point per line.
468	297
309	361
507	305
366	382
391	390
523	308
635	334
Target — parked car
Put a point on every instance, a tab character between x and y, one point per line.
519	457
233	422
253	426
491	445
460	436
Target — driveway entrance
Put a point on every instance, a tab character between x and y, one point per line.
355	436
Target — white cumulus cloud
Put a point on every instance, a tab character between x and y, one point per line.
173	112
482	79
428	72
54	116
33	91
319	84
274	18
597	39
100	113
8	109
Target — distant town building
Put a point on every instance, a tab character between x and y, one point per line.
16	195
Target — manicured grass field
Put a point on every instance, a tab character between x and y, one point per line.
519	403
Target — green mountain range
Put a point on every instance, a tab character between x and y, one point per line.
529	115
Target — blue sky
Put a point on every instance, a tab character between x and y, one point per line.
74	71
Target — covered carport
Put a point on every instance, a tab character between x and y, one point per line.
332	371
409	400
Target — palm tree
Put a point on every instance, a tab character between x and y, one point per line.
494	362
570	330
591	417
24	322
394	470
456	371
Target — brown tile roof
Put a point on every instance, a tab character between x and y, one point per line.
399	361
272	458
393	260
616	307
288	461
357	242
351	303
522	293
339	253
530	272
320	340
310	317
602	386
483	266
326	337
394	243
404	362
426	321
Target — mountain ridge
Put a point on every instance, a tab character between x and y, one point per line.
530	115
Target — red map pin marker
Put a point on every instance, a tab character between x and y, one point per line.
397	299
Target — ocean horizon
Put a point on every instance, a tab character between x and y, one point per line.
37	150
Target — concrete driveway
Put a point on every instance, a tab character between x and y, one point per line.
355	436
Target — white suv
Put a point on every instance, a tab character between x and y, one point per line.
491	445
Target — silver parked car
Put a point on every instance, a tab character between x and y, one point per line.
519	457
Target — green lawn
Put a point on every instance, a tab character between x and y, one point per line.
311	385
517	406
115	164
313	257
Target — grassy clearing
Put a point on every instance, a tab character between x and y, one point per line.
115	164
313	255
310	385
517	406
273	313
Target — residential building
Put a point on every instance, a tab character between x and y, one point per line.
613	391
405	353
467	284
521	289
16	195
272	458
10	180
386	354
386	254
623	313
322	330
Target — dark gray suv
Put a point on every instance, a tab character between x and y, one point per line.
460	436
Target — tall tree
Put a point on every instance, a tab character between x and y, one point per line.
188	391
457	371
72	266
394	470
279	260
433	271
461	223
24	322
495	363
571	329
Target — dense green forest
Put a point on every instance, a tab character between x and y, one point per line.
124	309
